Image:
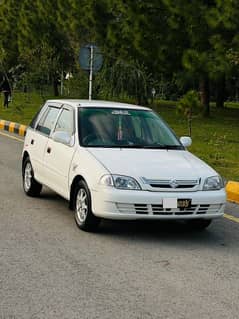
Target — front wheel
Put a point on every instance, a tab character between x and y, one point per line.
199	224
84	217
30	185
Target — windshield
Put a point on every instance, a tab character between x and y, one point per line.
129	128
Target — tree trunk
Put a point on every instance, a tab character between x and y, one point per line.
55	87
142	100
220	94
190	122
205	95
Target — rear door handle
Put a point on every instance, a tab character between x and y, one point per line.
48	150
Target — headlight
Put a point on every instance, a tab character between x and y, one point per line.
213	183
120	182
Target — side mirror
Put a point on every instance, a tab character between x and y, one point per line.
186	141
62	137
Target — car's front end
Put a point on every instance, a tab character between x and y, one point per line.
177	194
128	204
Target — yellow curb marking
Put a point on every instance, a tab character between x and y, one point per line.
11	127
12	137
233	218
2	123
232	189
22	130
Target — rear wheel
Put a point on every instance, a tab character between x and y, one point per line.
84	217
30	185
199	224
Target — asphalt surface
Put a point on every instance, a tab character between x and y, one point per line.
50	269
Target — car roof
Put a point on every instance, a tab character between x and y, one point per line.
97	103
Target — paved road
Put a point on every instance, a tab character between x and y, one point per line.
50	269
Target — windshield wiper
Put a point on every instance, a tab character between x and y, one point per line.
164	147
116	146
126	146
152	146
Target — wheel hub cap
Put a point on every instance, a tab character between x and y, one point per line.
81	205
28	176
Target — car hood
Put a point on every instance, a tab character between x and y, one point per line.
152	164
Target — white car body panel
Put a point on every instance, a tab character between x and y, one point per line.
36	144
57	165
115	205
87	166
152	164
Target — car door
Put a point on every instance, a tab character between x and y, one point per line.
38	139
58	156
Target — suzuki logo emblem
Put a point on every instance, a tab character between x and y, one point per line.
173	183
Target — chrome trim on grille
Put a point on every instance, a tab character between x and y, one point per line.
171	184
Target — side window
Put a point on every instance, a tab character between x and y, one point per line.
47	121
35	118
65	122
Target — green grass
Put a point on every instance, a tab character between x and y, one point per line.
215	139
22	108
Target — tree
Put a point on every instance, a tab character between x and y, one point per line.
41	41
9	55
196	55
134	36
223	20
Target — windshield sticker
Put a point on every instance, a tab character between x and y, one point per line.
120	112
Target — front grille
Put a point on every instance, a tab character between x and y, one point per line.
202	209
157	209
171	184
141	208
168	186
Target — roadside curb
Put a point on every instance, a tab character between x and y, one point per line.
13	127
232	189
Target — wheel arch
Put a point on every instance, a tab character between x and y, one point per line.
24	156
75	181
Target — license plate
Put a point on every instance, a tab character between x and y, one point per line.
184	203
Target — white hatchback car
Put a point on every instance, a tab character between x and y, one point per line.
118	161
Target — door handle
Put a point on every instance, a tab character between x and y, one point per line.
32	142
48	150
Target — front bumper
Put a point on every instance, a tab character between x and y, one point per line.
131	205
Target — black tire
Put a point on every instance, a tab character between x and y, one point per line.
84	217
30	185
199	224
